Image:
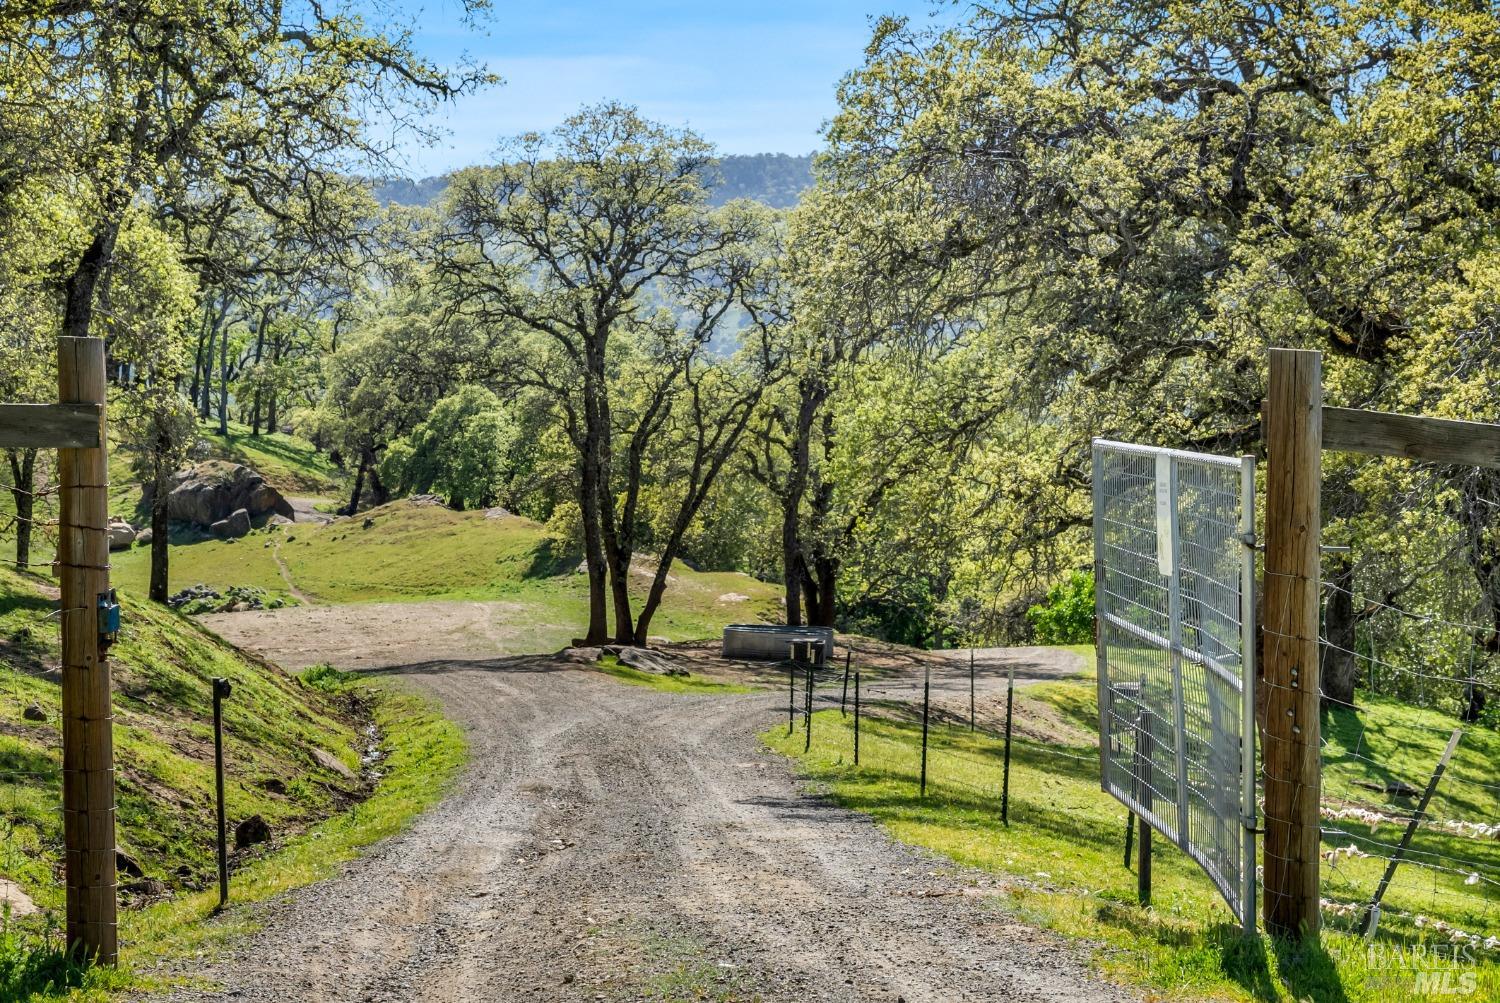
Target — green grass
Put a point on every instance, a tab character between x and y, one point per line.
1061	859
610	666
420	552
162	668
422	754
247	561
290	464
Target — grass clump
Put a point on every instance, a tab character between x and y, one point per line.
610	666
1061	861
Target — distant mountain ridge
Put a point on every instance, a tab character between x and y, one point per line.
777	179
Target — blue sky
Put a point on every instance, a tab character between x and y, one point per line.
752	77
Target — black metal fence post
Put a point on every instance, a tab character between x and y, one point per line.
1010	706
221	690
791	696
926	704
971	688
807	716
844	698
1147	744
856	719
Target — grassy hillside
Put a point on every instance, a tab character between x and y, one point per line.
162	669
1060	857
288	463
401	552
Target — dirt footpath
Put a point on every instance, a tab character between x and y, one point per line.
611	842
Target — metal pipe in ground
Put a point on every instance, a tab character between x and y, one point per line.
971	689
791	696
807	717
926	706
844	698
221	690
856	719
1010	706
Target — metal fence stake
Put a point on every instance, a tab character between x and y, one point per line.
856	719
807	717
971	688
926	703
1010	704
844	697
791	696
221	690
1372	916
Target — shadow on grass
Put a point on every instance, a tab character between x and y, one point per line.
30	760
443	667
549	563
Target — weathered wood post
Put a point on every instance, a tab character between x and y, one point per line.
88	744
1294	443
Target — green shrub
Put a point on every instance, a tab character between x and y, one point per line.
32	963
326	678
1066	615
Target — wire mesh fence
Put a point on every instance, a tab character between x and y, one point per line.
1173	585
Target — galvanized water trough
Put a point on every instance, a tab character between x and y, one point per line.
773	642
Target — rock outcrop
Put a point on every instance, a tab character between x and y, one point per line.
233	526
215	490
121	534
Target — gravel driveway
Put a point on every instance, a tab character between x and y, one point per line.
611	842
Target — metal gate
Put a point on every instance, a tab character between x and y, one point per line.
1174	566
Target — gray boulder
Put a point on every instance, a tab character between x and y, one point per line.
646	660
121	534
212	491
329	761
232	528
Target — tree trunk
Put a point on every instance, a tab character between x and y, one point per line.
812	395
820	611
1480	497
23	488
82	286
359	486
791	559
593	547
224	383
379	494
260	345
193	386
1340	668
160	539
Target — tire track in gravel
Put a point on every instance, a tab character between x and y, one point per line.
605	835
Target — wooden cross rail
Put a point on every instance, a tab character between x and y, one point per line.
75	426
1410	436
49	426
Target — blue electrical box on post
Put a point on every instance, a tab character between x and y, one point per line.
109	617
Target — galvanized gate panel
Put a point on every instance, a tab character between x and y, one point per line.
1174	586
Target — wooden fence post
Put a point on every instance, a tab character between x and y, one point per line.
1294	442
88	745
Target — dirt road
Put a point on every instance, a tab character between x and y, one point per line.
612	842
